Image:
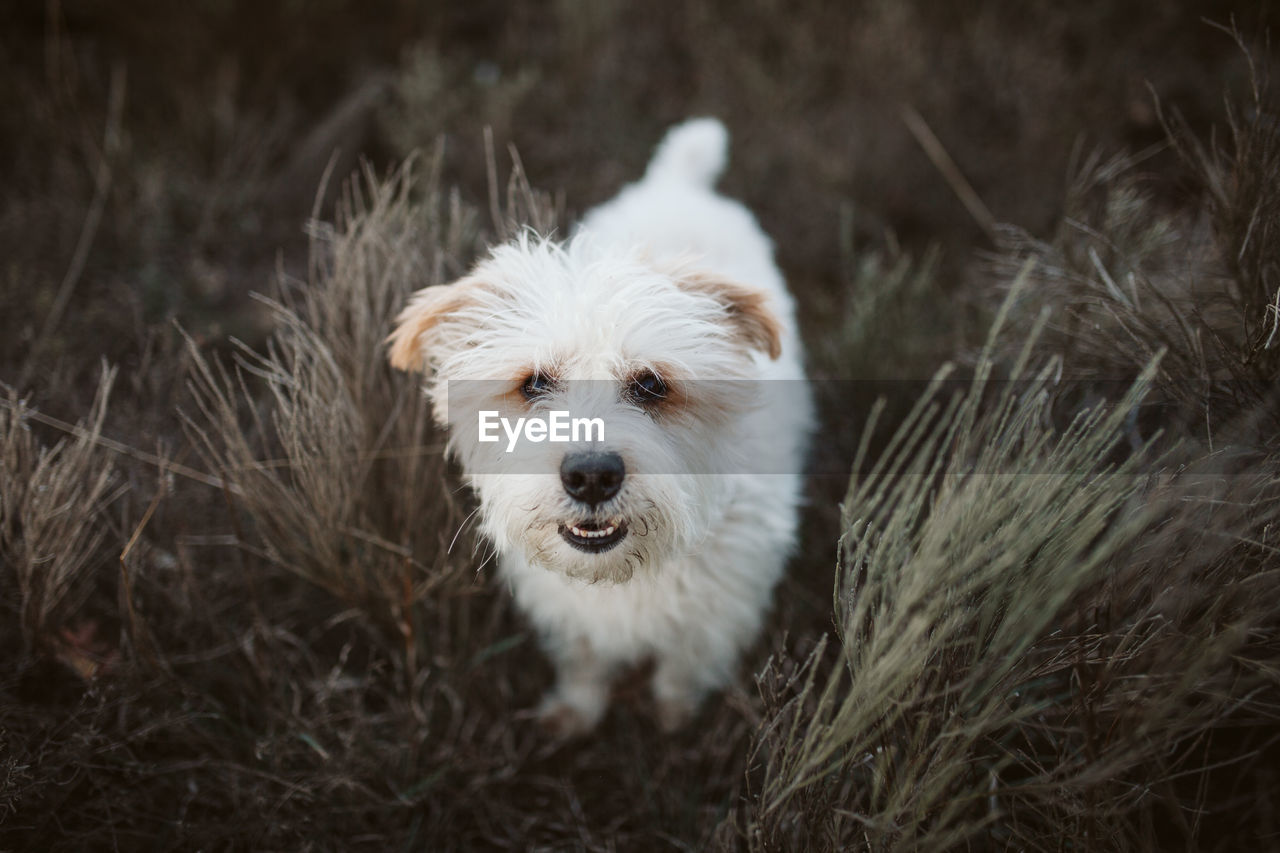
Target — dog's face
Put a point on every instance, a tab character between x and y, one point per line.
655	356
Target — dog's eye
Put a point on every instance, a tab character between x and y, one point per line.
646	388
537	385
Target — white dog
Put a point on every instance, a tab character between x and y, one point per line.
665	535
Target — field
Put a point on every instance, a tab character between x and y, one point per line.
1036	249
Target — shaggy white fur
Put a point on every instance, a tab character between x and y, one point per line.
666	539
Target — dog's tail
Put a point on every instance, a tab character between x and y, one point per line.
693	152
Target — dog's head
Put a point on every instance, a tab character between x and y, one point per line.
638	368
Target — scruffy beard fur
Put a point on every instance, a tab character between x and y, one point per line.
663	516
667	538
651	534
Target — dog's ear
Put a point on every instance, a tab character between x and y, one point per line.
748	310
411	341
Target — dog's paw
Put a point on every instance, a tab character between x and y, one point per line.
563	721
675	714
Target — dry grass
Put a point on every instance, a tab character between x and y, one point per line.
340	471
1035	644
1125	279
52	502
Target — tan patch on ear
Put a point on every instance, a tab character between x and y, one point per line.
426	309
748	310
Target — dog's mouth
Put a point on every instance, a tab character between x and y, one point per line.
592	537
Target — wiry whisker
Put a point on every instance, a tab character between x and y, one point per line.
488	558
461	527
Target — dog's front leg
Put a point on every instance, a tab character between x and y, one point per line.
680	683
581	693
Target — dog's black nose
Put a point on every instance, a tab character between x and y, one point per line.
592	477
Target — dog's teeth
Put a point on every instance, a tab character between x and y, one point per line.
594	534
